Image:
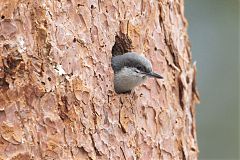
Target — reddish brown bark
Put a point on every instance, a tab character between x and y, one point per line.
57	99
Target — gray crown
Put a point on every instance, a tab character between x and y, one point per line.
131	60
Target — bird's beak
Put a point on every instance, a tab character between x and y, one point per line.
155	75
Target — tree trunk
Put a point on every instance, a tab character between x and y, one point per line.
57	99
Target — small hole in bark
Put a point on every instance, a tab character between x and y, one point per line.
2	16
43	83
155	48
74	40
49	78
187	79
92	6
123	44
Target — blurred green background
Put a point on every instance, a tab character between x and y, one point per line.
213	30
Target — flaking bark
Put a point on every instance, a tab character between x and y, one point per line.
56	82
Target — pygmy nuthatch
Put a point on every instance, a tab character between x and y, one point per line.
130	70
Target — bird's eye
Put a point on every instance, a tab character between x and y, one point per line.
139	68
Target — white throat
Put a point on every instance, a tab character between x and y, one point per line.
126	79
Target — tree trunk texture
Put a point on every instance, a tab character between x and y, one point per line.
57	99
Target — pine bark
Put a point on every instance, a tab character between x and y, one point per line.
56	82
